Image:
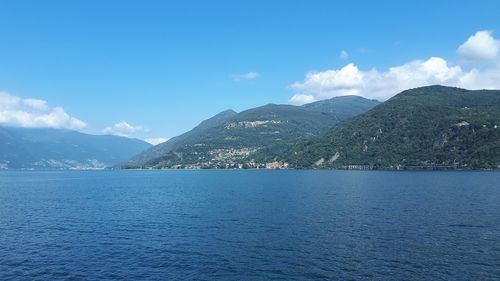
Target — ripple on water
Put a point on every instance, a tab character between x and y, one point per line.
249	225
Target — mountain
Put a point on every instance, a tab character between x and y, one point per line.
163	148
343	107
27	148
428	127
231	138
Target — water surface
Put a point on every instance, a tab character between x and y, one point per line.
249	225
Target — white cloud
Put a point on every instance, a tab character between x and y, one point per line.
344	54
34	113
35	103
156	141
245	76
299	99
480	47
123	129
329	83
350	80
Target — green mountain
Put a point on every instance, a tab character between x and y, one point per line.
230	138
428	127
23	148
343	107
176	142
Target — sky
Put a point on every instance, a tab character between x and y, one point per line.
155	69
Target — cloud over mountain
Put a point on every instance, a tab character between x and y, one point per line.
123	129
35	113
350	80
156	141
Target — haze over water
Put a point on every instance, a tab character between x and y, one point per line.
249	225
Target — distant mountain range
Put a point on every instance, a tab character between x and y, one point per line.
432	127
230	139
23	148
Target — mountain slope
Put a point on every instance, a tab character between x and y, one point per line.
431	126
235	137
22	148
163	148
343	107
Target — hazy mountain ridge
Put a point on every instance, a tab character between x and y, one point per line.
29	148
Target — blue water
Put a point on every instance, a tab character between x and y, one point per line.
249	225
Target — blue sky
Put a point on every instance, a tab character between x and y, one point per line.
162	66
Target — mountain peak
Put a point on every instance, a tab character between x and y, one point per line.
343	107
226	112
428	127
433	89
230	137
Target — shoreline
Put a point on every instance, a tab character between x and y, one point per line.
410	169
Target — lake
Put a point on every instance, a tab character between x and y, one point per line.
249	225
